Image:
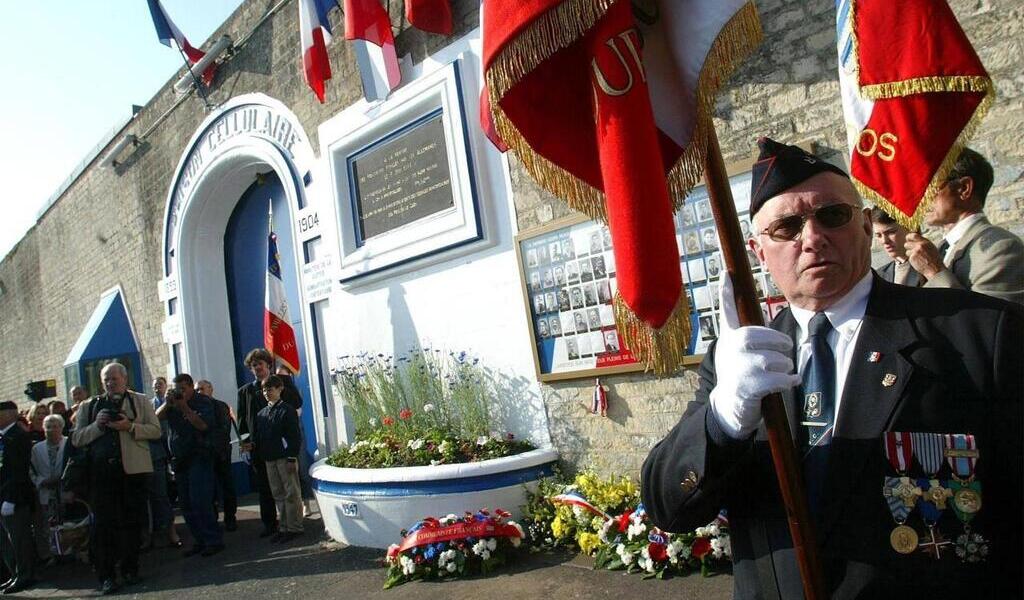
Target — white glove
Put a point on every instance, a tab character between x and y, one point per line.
750	362
7	509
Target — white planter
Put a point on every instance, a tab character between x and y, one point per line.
370	507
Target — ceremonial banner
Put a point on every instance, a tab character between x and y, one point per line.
168	32
315	33
434	16
368	26
607	104
278	335
913	93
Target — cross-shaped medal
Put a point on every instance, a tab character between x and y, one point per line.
936	545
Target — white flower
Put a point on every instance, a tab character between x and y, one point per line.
479	547
451	567
492	544
717	547
408	566
684	552
712	529
645	553
515	542
636	530
675	548
701	532
577	512
627	558
443	447
373	421
434	463
482	440
428	408
485	554
415	444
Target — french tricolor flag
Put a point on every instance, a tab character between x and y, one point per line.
168	32
278	335
367	24
315	30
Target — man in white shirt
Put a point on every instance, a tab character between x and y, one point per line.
855	358
974	254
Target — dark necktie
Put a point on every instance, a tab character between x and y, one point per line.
819	407
819	383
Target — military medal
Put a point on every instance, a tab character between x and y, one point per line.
904	539
901	493
962	453
928	448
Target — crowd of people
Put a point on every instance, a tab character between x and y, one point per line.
127	460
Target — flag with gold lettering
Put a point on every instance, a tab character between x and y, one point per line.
607	103
913	92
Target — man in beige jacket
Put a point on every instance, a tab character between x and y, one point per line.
974	254
114	429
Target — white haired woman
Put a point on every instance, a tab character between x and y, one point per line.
48	458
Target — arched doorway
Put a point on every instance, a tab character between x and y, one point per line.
215	216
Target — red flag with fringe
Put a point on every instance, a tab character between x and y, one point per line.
607	103
914	90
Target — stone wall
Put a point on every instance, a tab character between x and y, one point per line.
787	90
107	227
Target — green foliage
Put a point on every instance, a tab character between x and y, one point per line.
425	408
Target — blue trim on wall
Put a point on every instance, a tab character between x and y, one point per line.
434	488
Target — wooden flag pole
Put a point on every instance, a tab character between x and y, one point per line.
787	468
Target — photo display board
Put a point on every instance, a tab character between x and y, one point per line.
568	277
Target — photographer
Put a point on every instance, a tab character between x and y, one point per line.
191	419
114	430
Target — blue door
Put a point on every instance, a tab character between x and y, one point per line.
245	266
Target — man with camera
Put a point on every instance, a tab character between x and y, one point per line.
192	422
114	430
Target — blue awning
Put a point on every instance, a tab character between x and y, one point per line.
108	332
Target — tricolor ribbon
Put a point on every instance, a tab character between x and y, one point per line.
432	534
899	446
599	402
961	454
574	499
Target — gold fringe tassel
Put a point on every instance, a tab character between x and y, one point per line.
737	39
556	29
925	85
913	222
562	26
661	350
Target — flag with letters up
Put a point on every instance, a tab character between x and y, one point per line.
607	103
913	92
278	335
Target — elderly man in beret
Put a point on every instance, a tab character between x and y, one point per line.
904	405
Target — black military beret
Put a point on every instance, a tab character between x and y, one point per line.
780	167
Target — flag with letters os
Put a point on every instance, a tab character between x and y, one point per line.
913	92
608	103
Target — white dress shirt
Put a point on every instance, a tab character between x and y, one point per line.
846	316
955	234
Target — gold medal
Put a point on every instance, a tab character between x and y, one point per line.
967	500
904	539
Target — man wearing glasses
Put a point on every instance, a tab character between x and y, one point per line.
974	254
854	357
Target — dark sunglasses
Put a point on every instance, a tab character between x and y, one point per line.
787	229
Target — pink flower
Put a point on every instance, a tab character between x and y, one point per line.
387	421
405	414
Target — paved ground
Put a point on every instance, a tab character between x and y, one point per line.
311	567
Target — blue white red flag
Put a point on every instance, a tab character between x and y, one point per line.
575	499
278	335
315	32
168	32
368	26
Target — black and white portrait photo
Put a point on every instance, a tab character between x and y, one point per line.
604	291
555	252
550	302
538	304
709	239
572	347
531	257
576	297
563	300
581	321
535	281
596	243
559	274
597	263
611	341
593	318
586	271
691	242
567	249
703	211
572	273
714	266
590	294
548	279
542	328
554	326
606	237
707	327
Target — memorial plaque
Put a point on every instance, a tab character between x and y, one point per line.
402	179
